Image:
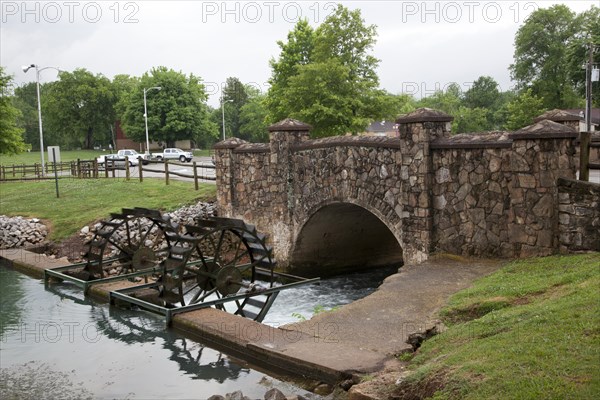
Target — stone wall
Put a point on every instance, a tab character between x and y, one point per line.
492	194
578	215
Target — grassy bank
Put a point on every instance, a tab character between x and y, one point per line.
86	200
529	331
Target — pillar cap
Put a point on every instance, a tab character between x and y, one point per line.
229	143
289	125
425	115
558	116
545	129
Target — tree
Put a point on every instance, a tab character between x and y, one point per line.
326	77
25	100
295	53
79	109
470	120
578	51
523	109
235	97
540	58
11	135
253	119
177	112
483	94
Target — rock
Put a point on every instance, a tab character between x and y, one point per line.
85	230
323	389
216	397
237	395
347	384
274	394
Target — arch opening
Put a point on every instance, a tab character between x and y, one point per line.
341	238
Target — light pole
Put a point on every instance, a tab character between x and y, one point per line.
146	116
223	113
37	77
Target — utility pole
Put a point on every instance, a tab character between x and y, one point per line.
588	90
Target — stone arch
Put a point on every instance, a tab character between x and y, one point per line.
341	235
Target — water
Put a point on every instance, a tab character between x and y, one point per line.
296	303
55	343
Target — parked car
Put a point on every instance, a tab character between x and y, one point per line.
174	154
119	158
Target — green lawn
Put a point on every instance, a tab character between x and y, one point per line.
83	201
65	155
69	155
528	331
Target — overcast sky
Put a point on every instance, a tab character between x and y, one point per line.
422	45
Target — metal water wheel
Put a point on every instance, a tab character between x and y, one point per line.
217	258
134	240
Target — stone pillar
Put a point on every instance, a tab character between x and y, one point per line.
541	154
417	129
225	173
283	136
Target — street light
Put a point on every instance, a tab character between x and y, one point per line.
223	113
146	116
37	75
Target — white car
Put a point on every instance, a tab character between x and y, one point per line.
119	158
174	154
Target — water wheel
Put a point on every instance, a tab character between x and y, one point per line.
216	258
134	240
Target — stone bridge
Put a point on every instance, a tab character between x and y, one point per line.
358	201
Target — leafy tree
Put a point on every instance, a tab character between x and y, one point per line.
540	58
447	101
253	117
470	120
295	53
177	112
588	33
25	99
523	109
235	97
326	77
79	109
388	106
483	94
11	135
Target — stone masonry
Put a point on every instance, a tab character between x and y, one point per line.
472	194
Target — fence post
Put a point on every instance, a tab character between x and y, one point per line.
112	167
127	174
95	163
166	172
195	176
79	168
140	168
584	156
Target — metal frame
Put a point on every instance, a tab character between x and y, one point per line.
58	273
124	296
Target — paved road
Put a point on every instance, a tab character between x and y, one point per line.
187	169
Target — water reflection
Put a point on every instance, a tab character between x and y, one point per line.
133	327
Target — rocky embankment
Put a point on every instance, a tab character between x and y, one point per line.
21	232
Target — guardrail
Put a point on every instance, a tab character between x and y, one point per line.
108	169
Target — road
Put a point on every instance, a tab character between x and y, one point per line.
187	169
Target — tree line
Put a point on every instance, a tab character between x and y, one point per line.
325	76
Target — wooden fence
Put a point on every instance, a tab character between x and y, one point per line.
112	168
585	164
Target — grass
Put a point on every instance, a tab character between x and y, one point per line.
65	155
69	155
528	331
83	201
